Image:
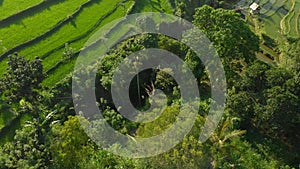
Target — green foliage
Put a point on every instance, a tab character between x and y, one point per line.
22	78
224	149
69	144
2	47
232	38
190	153
186	8
68	53
9	8
36	23
110	62
255	77
239	154
268	98
5	114
291	56
152	6
226	132
156	127
105	160
25	151
165	81
181	10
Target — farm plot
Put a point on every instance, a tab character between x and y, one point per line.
37	23
153	6
280	17
79	27
10	7
31	52
62	68
290	23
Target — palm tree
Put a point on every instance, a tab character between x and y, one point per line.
225	133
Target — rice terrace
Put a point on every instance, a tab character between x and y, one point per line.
257	41
279	17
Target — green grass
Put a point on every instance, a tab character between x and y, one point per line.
153	6
294	21
67	68
142	6
273	19
279	17
276	5
288	4
10	7
78	26
59	73
272	25
5	117
290	22
3	66
165	4
9	135
277	23
34	25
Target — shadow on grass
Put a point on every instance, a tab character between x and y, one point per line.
7	133
5	117
140	5
73	23
18	17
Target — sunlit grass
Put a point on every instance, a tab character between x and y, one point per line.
81	24
34	25
67	67
9	135
11	7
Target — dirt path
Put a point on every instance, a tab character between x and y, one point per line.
264	58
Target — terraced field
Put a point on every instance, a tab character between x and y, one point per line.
153	5
43	28
8	8
279	16
24	28
63	69
290	23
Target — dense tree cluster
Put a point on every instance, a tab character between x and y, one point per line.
21	79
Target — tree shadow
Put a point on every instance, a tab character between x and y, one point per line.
172	2
156	6
273	9
283	11
73	23
17	18
263	15
1	2
268	18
